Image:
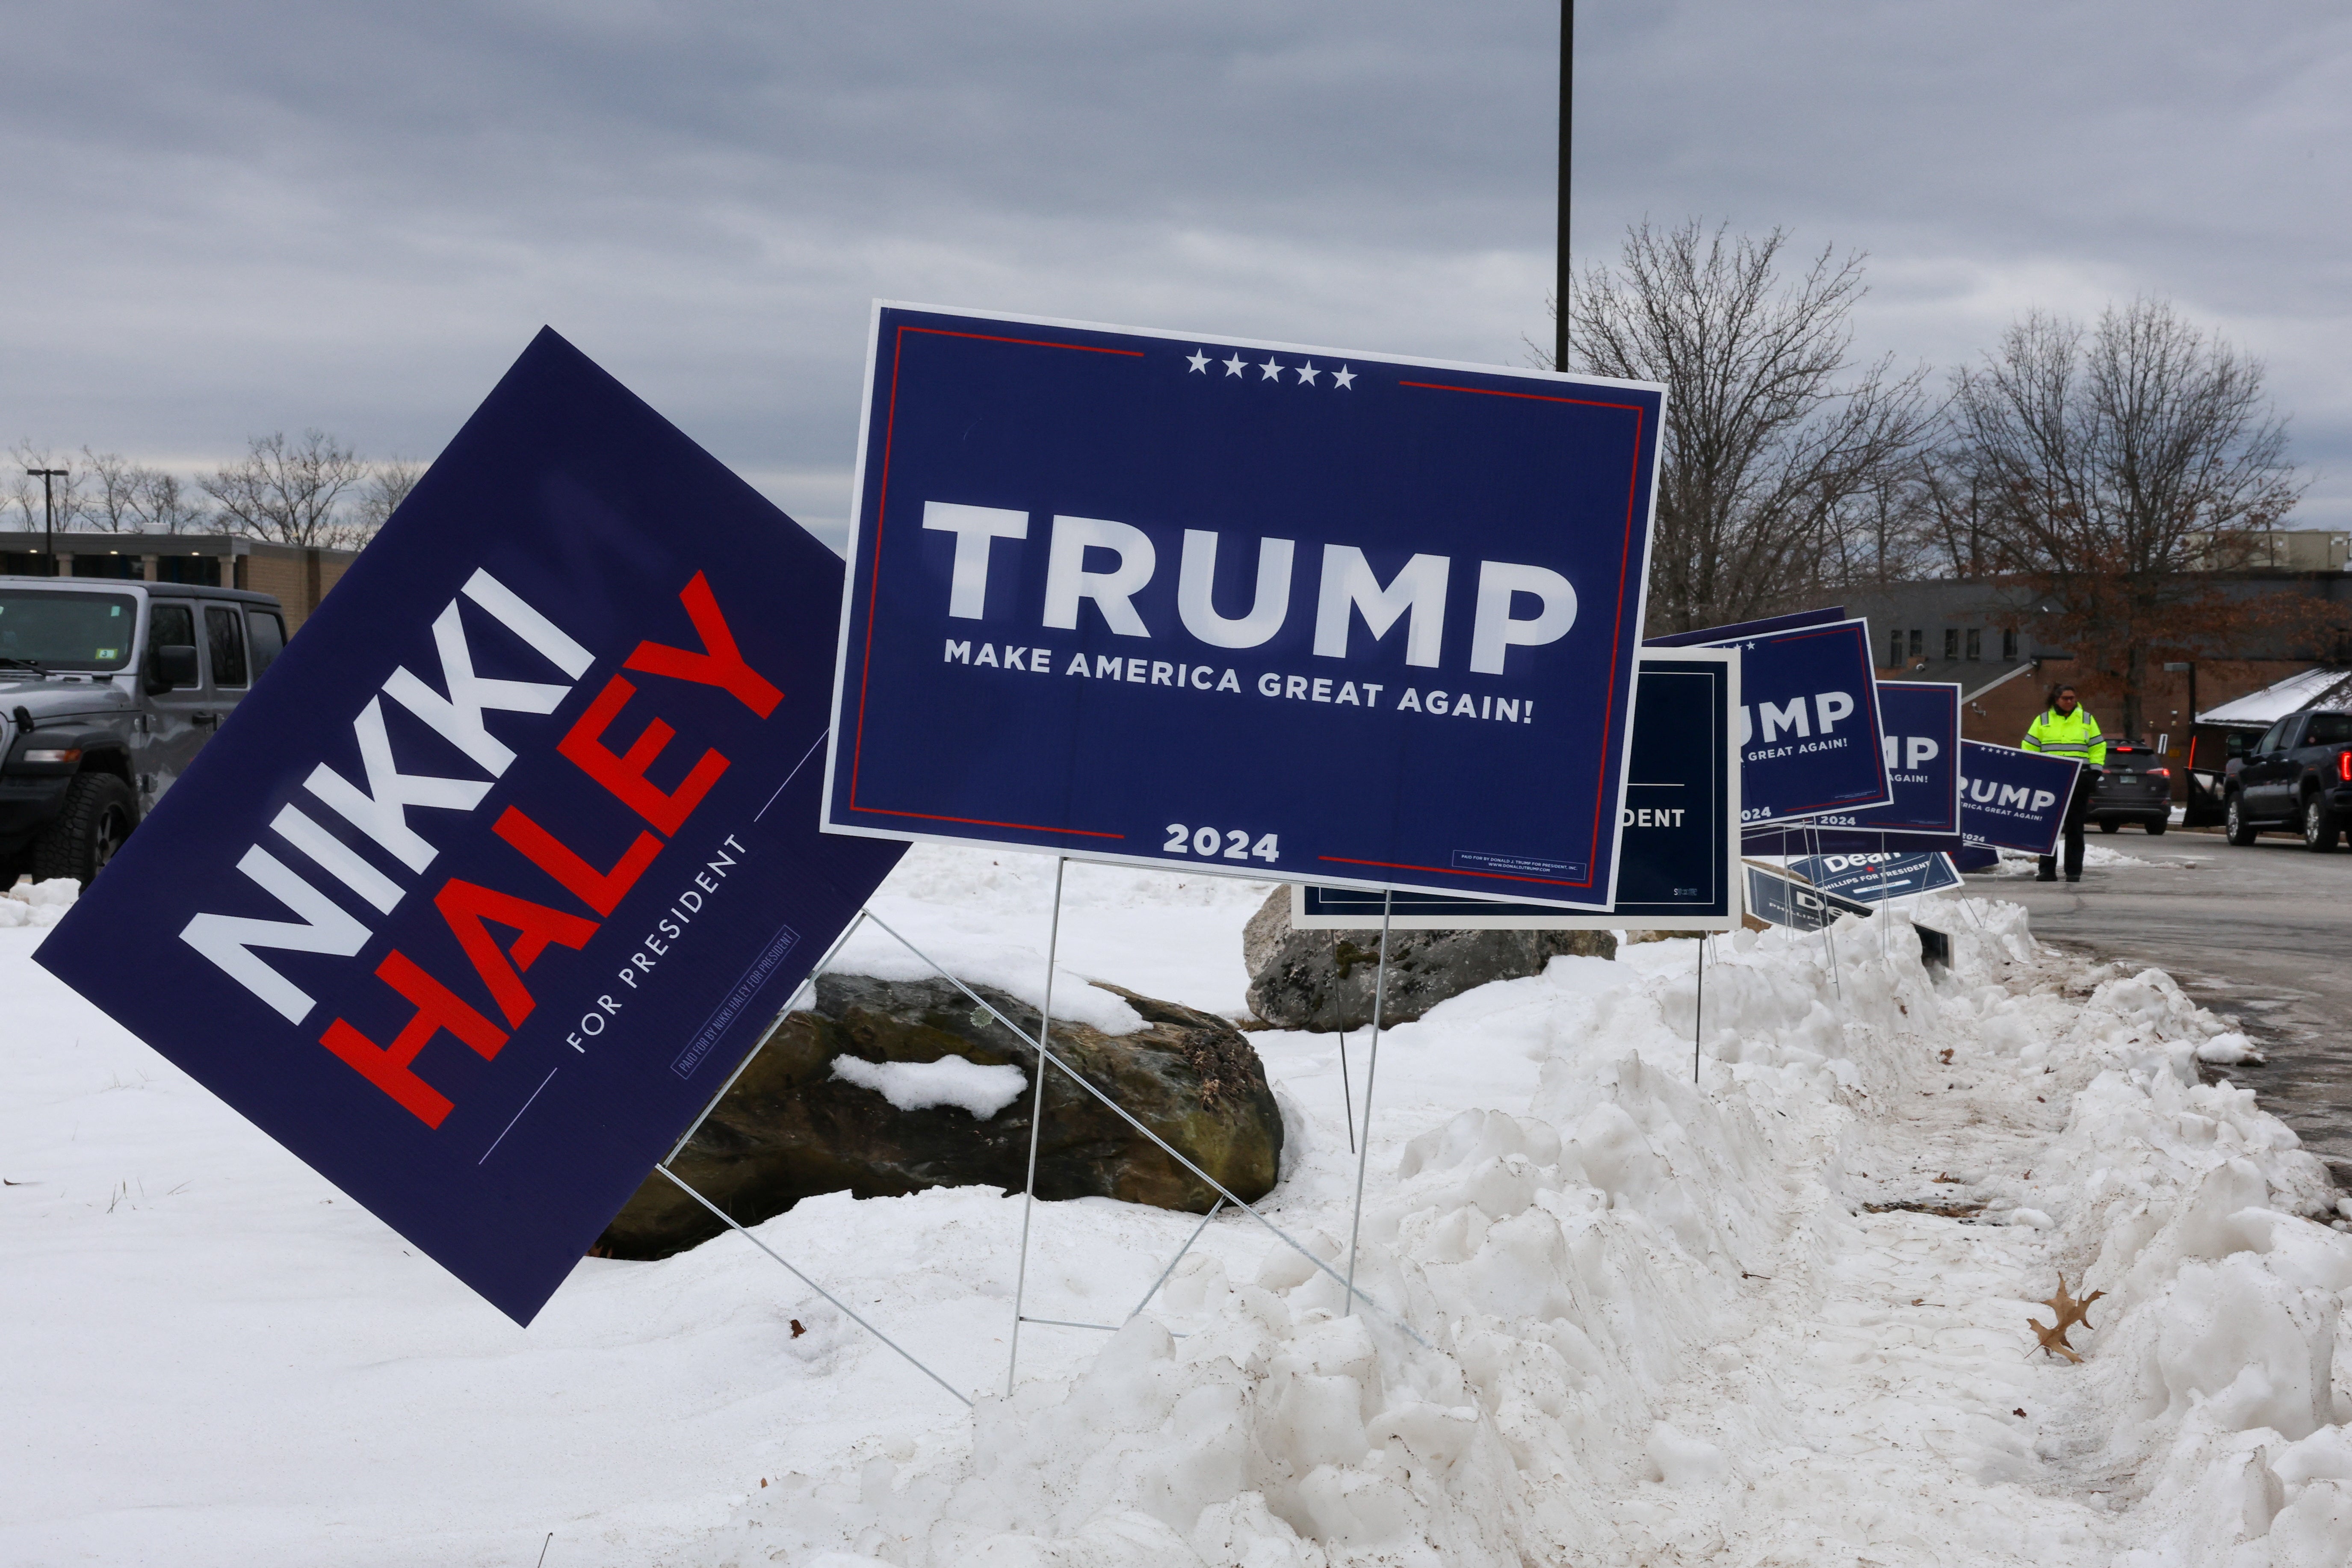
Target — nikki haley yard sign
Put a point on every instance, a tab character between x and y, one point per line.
1243	608
481	895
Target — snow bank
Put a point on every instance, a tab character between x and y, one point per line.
1778	1315
950	1080
1660	1318
41	904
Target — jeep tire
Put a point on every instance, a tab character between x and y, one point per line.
2239	830
99	814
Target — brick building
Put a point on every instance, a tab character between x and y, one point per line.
1981	633
300	576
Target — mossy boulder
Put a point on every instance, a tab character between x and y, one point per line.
1324	979
792	1126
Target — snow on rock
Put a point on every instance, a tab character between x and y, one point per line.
1610	1315
971	1086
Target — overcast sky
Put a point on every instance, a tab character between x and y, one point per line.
254	214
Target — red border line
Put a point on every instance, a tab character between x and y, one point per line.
1530	396
984	822
874	589
1450	871
882	501
1617	631
990	337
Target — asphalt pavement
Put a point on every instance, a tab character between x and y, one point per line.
2259	934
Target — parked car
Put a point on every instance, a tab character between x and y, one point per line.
2298	778
2134	785
106	690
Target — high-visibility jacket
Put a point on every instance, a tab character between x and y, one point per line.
2074	735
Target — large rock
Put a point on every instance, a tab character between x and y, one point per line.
1323	979
794	1125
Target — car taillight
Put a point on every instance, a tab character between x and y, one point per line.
2160	773
2344	766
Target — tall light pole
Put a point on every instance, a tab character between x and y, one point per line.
1567	127
49	512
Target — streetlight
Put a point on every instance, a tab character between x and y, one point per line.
1567	125
49	512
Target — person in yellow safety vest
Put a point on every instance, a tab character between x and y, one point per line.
2066	729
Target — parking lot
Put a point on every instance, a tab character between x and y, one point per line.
2259	933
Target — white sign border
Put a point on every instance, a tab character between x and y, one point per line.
825	823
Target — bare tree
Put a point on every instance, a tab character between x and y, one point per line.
25	492
287	491
386	488
164	504
1776	446
2112	471
129	496
114	490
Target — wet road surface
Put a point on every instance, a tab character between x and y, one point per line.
2262	934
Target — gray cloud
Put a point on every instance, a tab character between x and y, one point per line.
261	214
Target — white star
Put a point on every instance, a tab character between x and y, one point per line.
1307	372
1270	370
1344	379
1199	362
1234	366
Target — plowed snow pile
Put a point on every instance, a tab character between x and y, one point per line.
1780	1316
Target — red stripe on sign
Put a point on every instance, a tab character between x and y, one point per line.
874	589
1449	871
1530	396
1633	490
1024	343
984	822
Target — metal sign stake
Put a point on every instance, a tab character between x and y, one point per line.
1036	1124
1371	1071
839	1305
1087	1086
1347	1093
1698	1019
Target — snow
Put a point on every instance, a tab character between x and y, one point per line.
2228	1050
38	904
2306	689
2016	863
950	1080
1665	1322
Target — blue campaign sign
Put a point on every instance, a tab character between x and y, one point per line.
481	894
1748	628
1809	719
1778	900
1678	844
2012	799
1920	744
1201	602
1873	879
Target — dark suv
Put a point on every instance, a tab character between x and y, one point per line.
2298	778
2133	786
107	690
